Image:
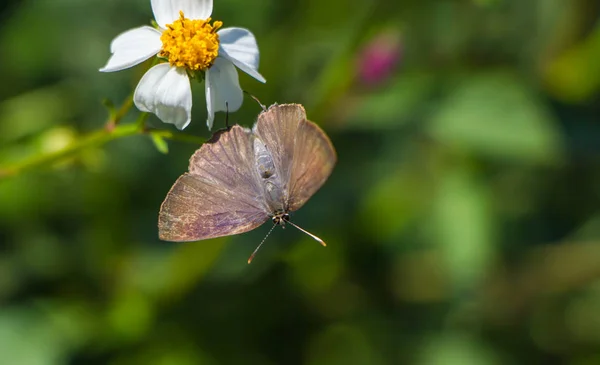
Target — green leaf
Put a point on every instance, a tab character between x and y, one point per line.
574	75
496	115
394	105
33	112
463	224
401	195
456	348
110	106
160	143
342	344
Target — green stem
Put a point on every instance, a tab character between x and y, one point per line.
174	136
113	130
127	104
95	139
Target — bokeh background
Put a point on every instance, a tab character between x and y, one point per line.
462	220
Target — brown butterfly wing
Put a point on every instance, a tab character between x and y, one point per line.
277	128
313	162
220	196
302	152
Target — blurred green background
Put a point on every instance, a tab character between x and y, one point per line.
462	220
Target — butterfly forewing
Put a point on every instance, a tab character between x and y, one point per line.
303	154
314	158
277	128
220	196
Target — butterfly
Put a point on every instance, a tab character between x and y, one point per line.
243	177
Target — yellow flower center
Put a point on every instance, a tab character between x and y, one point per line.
193	44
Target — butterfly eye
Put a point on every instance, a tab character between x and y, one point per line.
286	217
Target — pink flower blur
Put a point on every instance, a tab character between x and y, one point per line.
378	59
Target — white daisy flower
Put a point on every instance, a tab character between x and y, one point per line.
193	46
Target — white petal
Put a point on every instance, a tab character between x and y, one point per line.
167	11
133	47
223	92
210	100
166	92
239	46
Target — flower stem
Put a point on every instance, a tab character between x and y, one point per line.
111	132
175	136
94	139
127	104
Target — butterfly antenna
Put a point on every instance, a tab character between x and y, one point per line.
308	233
261	242
264	108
